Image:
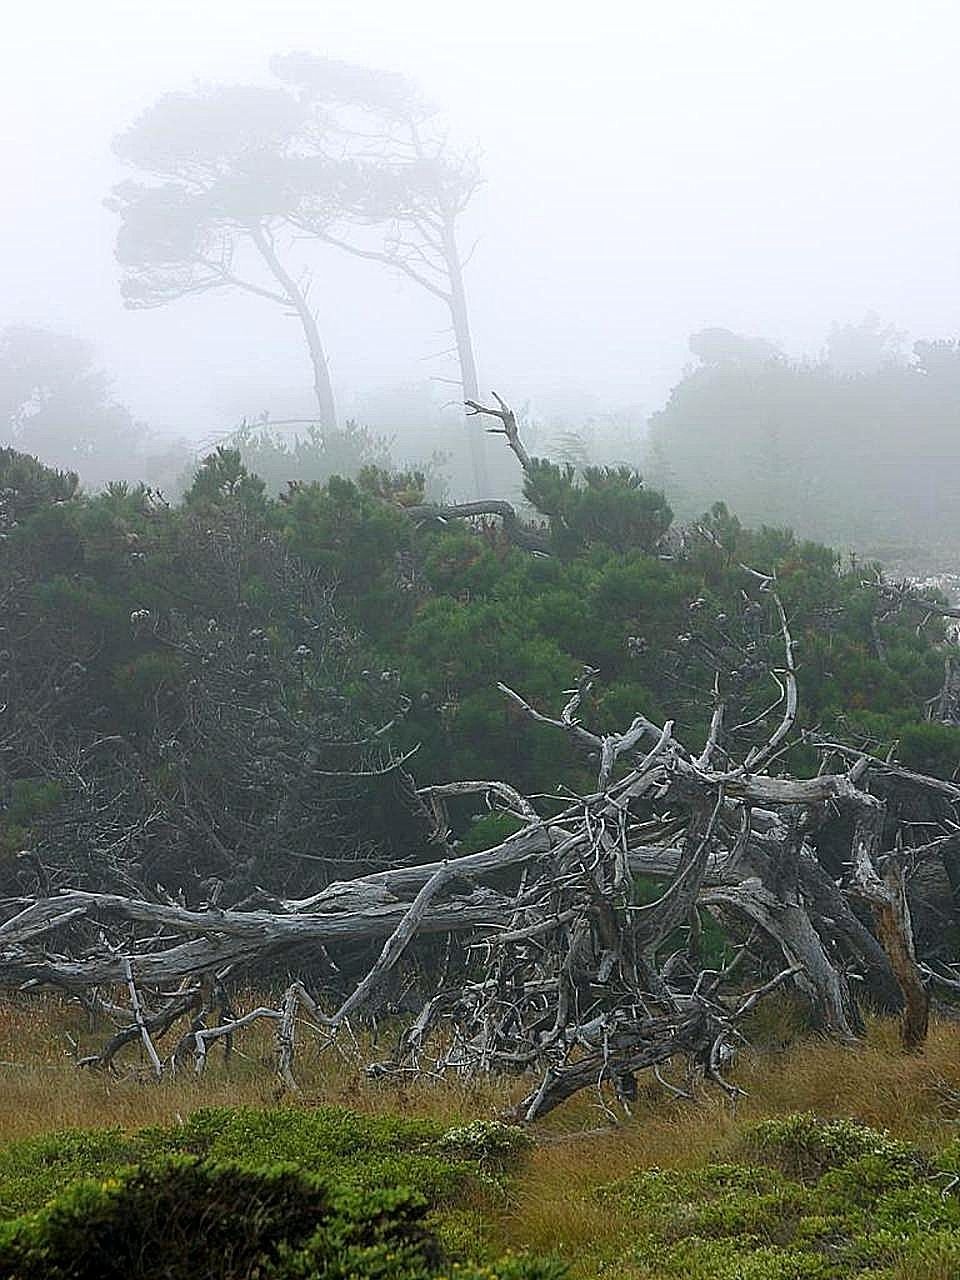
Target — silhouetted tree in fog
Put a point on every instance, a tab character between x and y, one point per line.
865	347
56	403
410	185
717	346
239	176
225	170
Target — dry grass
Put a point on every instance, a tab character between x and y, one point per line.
555	1209
42	1089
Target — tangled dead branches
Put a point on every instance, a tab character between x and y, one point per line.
580	935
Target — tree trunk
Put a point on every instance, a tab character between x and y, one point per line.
833	916
946	709
887	896
322	386
896	937
460	319
789	926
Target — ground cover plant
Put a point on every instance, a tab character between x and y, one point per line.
363	1152
829	1200
244	1191
184	1217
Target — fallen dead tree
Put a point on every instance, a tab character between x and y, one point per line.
572	952
580	933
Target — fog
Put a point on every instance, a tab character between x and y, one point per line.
768	168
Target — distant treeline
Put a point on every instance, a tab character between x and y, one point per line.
860	447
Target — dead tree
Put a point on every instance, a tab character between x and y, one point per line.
577	938
526	536
576	971
906	597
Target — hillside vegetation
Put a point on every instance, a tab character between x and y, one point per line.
217	707
205	669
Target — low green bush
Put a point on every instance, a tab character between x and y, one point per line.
821	1200
490	1143
362	1152
35	1169
804	1146
182	1218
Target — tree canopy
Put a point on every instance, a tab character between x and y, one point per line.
241	186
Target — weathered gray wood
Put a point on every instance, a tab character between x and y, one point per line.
886	893
566	973
526	537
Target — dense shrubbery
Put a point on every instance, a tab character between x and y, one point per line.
182	1218
473	611
299	1195
362	1152
609	507
198	673
242	1193
178	692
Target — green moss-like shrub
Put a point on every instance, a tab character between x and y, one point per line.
183	1218
804	1146
361	1152
276	1194
490	1143
822	1200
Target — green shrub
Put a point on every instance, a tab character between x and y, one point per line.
829	1200
489	1142
804	1146
362	1152
35	1169
181	1218
184	1218
323	1192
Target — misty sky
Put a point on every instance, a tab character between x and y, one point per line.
652	169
